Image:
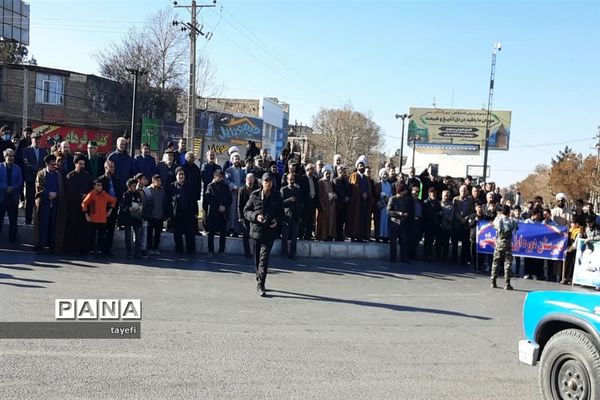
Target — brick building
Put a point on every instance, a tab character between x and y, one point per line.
63	103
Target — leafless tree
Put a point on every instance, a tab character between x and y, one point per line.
347	132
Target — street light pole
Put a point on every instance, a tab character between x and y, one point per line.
136	72
414	140
403	117
497	48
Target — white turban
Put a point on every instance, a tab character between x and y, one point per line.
232	155
233	149
362	159
382	170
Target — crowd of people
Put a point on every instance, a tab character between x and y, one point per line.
76	201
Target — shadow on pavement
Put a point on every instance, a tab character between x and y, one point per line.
393	307
25	285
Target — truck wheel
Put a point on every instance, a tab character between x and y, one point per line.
570	367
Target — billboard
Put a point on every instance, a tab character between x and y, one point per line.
14	21
457	126
225	130
78	137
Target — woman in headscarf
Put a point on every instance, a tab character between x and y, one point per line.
383	192
326	209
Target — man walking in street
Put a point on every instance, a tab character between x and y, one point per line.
264	210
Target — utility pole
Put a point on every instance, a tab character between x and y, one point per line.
403	117
194	30
497	48
598	150
25	96
136	73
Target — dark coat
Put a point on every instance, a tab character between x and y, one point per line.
125	216
271	208
431	215
343	190
105	179
305	188
208	173
217	194
30	164
167	174
194	178
146	165
99	166
124	167
243	197
401	210
292	210
183	206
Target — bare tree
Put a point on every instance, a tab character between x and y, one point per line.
157	47
347	132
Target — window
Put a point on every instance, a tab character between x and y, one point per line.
49	89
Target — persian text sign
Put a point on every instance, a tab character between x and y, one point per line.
78	137
225	130
456	126
587	264
531	240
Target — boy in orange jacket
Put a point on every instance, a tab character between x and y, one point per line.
97	207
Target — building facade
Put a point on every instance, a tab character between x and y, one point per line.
63	105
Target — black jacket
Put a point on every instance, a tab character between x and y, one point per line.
183	206
125	215
305	188
342	190
272	210
193	177
401	210
431	215
217	194
292	210
105	179
243	197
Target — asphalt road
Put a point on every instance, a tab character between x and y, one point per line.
330	329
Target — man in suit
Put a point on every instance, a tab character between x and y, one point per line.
33	161
94	163
11	183
112	186
462	208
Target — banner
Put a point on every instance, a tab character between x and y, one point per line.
150	133
587	264
456	126
531	240
77	137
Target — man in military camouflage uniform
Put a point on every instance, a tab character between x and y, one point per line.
505	227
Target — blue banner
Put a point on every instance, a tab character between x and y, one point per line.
533	240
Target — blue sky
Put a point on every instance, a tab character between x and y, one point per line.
382	56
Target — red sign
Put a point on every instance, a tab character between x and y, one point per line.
78	137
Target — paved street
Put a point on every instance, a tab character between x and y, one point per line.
330	329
